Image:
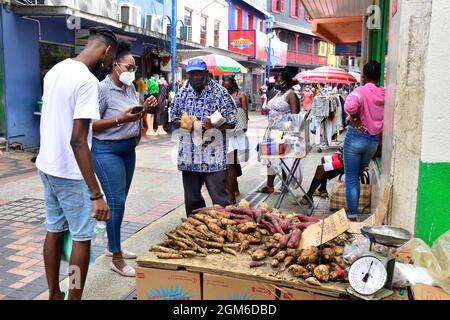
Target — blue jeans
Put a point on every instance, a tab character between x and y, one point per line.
359	149
114	164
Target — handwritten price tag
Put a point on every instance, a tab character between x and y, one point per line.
333	227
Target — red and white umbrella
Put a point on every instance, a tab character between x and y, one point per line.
327	75
357	75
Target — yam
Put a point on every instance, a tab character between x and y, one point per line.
341	263
230	251
259	255
256	264
313	281
244	245
214	251
308	255
328	255
283	241
288	261
163	249
299	271
338	251
164	255
322	273
293	252
217	230
311	266
280	256
247	227
273	251
274	263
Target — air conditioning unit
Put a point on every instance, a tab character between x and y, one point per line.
186	33
156	23
91	6
130	14
109	9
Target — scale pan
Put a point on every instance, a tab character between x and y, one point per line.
386	235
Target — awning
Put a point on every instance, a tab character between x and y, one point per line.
255	6
321	9
291	27
337	20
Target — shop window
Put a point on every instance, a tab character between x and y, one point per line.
203	30
251	24
239	19
278	6
187	17
216	33
296	8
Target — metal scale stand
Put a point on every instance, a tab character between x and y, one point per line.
371	275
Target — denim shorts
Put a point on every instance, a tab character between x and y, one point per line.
68	207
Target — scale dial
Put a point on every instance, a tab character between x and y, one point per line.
367	275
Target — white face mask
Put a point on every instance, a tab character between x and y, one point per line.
127	78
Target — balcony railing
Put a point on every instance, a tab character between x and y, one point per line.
304	58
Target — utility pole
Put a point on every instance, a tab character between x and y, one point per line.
173	43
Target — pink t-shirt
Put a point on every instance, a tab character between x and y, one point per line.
367	102
308	100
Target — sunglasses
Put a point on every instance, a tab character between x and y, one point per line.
130	67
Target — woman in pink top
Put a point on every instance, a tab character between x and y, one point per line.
308	97
365	107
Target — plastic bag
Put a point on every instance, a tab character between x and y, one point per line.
435	260
66	248
356	249
406	275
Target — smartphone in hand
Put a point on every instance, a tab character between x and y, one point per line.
137	110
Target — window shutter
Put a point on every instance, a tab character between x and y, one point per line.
299	13
274	6
282	5
293	13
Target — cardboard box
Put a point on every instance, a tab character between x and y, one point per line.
226	288
157	284
291	294
424	292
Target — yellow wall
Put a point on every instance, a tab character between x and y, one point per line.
331	56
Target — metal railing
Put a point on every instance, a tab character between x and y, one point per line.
304	58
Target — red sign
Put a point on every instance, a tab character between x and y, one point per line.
242	41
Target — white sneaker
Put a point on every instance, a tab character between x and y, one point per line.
125	254
126	272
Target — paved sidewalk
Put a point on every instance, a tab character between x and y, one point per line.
156	192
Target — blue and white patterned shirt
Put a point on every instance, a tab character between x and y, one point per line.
210	155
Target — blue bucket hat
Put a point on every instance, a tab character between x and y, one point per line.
196	64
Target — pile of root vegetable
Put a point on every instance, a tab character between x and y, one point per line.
266	234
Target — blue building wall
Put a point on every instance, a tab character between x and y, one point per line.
22	79
257	15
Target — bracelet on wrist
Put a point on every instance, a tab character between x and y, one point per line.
117	122
97	197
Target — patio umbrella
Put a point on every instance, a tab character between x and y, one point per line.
327	75
219	65
356	75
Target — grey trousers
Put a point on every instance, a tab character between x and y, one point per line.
215	182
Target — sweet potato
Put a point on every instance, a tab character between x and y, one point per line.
328	255
293	252
259	255
214	251
165	255
308	255
288	261
274	263
256	264
311	266
313	281
217	230
338	251
258	215
284	224
322	273
283	241
247	227
334	276
242	211
230	234
253	240
299	271
244	245
280	256
211	244
275	222
294	239
273	251
277	236
194	221
227	222
188	253
230	251
163	249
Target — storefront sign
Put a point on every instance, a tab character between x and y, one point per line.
348	49
279	50
242	42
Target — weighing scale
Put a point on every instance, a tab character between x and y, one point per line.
370	276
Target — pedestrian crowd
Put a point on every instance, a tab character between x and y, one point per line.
90	131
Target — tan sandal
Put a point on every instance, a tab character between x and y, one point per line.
266	190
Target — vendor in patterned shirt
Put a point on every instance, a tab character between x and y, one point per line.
203	161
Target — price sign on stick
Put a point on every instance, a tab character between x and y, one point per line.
332	226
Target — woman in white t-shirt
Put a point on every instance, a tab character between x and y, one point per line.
113	147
